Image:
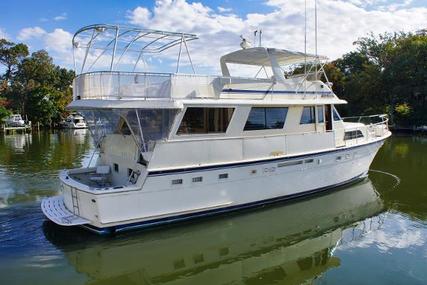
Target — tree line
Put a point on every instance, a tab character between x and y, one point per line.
32	85
385	74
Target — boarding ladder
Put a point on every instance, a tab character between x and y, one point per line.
75	201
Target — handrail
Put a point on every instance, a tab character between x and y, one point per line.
383	117
118	84
371	130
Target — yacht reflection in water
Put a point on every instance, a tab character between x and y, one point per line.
293	243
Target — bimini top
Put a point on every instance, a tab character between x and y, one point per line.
262	56
110	45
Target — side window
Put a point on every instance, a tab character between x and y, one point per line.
261	118
320	114
337	116
205	120
307	116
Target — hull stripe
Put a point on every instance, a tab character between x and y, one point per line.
274	91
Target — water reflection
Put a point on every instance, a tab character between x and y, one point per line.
291	243
405	157
29	163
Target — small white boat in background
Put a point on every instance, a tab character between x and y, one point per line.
74	121
173	147
14	120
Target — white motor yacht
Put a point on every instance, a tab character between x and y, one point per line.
74	121
15	120
172	146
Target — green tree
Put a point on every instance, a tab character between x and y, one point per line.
44	108
11	55
383	72
37	74
4	113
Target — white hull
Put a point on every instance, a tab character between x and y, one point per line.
277	238
160	202
75	126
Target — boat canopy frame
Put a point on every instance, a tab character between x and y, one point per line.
273	58
116	41
276	59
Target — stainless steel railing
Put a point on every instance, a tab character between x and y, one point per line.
374	126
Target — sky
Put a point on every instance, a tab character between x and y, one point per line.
50	24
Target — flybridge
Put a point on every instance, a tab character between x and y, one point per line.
111	58
103	46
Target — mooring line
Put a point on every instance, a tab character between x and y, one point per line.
389	174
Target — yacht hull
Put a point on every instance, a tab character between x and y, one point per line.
242	186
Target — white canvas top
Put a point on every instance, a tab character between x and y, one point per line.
261	56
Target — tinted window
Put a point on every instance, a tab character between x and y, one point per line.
320	115
353	135
275	117
307	116
337	116
266	118
205	120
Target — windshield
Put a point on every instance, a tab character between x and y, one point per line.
145	125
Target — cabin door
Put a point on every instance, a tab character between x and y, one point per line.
328	117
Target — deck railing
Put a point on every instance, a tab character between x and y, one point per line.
146	85
376	126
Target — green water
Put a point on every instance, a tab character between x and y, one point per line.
372	232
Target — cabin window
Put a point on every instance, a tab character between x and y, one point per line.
307	116
353	135
266	118
205	120
337	116
320	114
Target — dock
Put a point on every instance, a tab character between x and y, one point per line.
9	130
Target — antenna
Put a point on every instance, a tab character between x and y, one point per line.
255	32
305	38
315	33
